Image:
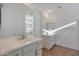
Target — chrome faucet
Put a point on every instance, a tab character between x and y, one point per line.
23	37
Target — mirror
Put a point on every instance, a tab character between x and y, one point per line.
49	26
14	18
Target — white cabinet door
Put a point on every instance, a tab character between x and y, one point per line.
31	53
39	52
16	52
13	54
39	47
28	49
39	44
48	42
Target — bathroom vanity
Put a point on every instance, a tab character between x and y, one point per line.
15	46
49	37
48	41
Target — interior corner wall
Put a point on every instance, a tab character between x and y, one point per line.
12	19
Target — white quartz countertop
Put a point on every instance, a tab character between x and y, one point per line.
9	43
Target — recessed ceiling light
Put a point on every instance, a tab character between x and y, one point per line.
46	15
49	11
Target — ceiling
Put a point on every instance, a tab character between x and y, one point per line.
61	13
44	7
56	8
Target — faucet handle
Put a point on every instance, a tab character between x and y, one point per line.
23	37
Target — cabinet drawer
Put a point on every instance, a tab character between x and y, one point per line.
47	45
30	53
39	52
39	44
16	52
28	48
13	54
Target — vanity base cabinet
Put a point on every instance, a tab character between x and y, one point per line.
16	52
31	49
39	48
39	52
31	53
48	42
34	49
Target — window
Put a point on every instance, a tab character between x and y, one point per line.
29	23
0	16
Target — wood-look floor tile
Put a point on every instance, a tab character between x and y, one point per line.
60	51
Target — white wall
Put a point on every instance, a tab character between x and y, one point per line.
65	15
13	18
37	23
68	37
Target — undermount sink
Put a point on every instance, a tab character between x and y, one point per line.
48	32
48	28
7	43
